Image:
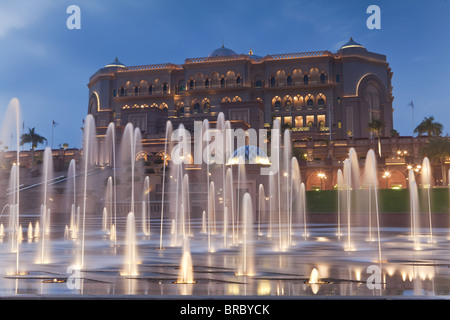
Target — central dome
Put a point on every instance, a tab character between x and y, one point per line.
250	154
221	52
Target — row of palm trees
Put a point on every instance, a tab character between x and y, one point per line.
437	148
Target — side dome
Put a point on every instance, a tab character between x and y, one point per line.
221	52
115	64
352	44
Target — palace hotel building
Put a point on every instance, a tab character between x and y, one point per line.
326	98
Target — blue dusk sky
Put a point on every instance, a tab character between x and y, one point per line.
47	66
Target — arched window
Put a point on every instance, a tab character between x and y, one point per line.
322	78
237	99
226	99
195	106
231	78
191	84
305	79
198	80
207	83
157	86
321	99
276	103
281	78
150	89
206	104
122	91
214	82
309	101
180	108
165	88
272	81
287	103
136	90
222	82
238	81
298	102
314	75
143	85
163	106
257	80
289	80
181	86
297	77
154	105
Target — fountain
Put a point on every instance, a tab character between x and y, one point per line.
186	273
10	129
164	176
249	234
246	266
414	210
426	184
89	158
371	182
45	210
131	255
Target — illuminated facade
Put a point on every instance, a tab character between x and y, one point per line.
327	99
321	95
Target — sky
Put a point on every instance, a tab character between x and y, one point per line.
47	66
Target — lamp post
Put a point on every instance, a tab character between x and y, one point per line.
322	176
386	176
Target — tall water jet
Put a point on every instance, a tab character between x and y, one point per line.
340	188
180	156
45	210
211	214
303	209
371	181
348	188
165	161
72	197
246	267
287	186
414	209
11	129
352	184
186	272
109	205
110	147
131	254
89	158
130	147
297	199
146	207
229	200
261	206
426	184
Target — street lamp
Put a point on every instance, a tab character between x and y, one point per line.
386	176
322	176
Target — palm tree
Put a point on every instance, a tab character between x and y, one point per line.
34	138
429	126
376	126
437	150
